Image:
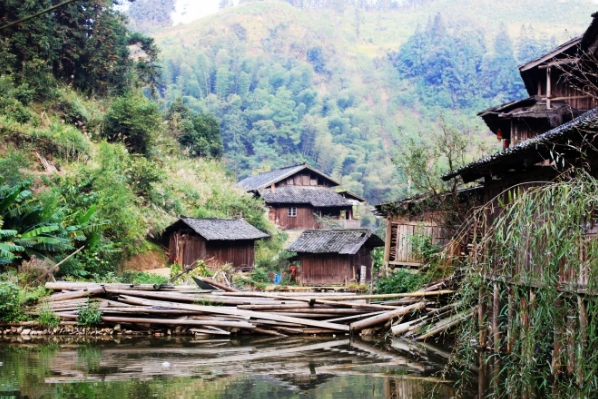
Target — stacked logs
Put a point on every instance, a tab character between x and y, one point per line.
224	311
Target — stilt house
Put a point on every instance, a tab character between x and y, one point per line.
335	256
300	197
215	241
554	131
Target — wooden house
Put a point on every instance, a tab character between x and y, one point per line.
424	217
540	155
554	99
335	256
300	197
215	241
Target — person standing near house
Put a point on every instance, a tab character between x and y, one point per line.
293	272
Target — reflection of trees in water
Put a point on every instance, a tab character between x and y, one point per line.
178	368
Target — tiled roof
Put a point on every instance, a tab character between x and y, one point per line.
316	196
335	241
537	147
253	183
224	229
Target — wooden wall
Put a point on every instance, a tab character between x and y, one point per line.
185	248
305	178
306	218
319	269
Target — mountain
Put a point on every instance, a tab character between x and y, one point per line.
344	87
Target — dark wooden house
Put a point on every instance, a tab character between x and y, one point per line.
554	99
299	197
335	256
216	241
559	135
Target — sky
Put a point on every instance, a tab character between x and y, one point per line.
190	10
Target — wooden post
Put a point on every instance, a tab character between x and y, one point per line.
387	245
548	89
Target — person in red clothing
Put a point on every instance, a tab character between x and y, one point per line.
293	272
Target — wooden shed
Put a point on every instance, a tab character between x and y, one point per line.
335	256
425	217
216	241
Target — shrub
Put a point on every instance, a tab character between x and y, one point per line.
10	300
89	313
402	281
133	120
47	317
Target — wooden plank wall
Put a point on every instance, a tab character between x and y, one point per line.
305	218
401	248
320	269
186	248
304	178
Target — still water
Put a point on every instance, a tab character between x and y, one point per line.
269	368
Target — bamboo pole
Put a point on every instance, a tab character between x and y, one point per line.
381	318
86	292
179	322
445	325
235	311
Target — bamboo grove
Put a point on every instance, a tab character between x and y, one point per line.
532	276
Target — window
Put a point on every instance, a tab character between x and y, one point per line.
293	211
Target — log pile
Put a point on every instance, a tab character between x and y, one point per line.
172	309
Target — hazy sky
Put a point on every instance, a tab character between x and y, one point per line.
189	10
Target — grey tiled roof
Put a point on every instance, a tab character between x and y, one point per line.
533	147
335	241
316	196
265	179
224	229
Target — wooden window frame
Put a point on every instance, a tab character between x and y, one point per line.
292	211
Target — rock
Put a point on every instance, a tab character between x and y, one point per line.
117	328
25	331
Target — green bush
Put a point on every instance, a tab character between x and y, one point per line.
89	313
400	282
10	300
133	120
47	317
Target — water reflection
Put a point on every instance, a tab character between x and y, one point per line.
271	368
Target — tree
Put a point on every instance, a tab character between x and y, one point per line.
133	120
200	133
84	43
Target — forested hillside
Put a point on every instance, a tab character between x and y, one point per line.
344	87
90	166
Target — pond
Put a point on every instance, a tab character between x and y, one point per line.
175	367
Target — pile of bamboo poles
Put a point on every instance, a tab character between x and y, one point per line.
226	311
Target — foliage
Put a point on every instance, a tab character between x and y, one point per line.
422	246
133	120
143	278
35	228
47	317
10	300
199	133
400	281
89	313
147	15
543	239
84	44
